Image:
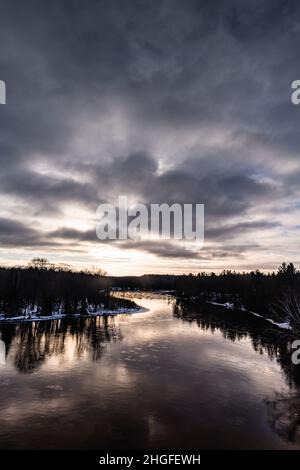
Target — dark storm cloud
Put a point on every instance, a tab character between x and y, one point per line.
41	188
13	233
167	249
224	193
234	230
169	101
163	248
18	234
73	234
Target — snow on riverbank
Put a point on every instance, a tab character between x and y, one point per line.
230	306
57	316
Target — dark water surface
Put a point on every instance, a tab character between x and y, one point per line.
173	377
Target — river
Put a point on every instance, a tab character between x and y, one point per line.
171	377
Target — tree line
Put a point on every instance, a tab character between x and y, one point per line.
275	294
45	288
42	288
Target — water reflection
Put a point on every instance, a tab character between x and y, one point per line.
236	326
29	345
283	408
284	416
176	376
2	351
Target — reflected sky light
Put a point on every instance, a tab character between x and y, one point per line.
97	384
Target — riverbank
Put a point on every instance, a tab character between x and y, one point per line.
230	306
59	316
227	305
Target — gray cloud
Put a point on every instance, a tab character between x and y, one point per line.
17	234
166	101
73	234
223	232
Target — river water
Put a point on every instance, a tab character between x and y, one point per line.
172	377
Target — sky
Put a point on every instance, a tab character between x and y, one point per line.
167	101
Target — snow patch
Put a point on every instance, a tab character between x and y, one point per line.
230	306
30	317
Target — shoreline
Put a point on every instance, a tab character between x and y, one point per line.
230	306
62	316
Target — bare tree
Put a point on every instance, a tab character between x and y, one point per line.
287	308
40	263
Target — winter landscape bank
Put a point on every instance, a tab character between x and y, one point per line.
42	291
